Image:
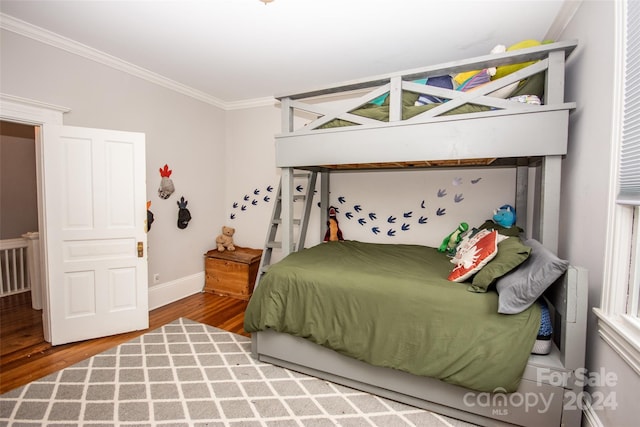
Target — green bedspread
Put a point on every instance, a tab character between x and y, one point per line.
392	306
382	113
534	85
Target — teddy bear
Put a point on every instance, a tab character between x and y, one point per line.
224	241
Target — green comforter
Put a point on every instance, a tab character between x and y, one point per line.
381	112
392	306
533	85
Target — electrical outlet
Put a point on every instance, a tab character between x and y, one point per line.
156	278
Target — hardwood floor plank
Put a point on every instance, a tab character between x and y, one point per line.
24	361
20	325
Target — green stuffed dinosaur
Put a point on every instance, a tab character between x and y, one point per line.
449	243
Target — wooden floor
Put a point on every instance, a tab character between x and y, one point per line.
24	356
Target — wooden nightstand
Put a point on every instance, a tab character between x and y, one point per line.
232	273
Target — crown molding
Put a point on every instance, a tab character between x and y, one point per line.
31	31
252	103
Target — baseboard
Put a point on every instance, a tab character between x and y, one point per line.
169	292
589	416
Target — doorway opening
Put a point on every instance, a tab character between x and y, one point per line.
20	302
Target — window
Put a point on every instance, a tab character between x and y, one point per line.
633	304
619	315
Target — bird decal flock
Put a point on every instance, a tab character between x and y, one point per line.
252	198
403	220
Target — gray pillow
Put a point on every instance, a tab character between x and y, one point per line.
523	286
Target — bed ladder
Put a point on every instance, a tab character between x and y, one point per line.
298	193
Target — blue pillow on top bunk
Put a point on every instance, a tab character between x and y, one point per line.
444	82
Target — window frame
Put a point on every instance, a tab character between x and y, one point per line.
633	300
621	291
619	329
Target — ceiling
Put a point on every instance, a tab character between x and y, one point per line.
234	51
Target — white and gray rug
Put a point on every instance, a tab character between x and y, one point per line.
190	374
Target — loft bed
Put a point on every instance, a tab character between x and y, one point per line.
508	133
495	132
486	127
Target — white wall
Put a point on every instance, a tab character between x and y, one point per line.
585	193
250	168
406	196
182	132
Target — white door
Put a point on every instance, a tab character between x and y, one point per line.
94	188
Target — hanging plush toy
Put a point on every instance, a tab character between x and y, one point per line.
184	216
166	185
150	217
333	233
505	216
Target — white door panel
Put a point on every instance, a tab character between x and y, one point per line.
95	198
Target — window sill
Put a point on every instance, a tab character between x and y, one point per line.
623	335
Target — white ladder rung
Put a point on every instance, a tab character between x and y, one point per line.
278	221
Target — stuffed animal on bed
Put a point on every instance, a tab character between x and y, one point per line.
451	241
333	233
505	216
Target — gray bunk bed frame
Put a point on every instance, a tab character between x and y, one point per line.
513	135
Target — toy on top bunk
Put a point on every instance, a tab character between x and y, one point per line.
529	90
505	70
333	233
470	80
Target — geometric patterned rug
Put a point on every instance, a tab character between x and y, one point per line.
190	374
